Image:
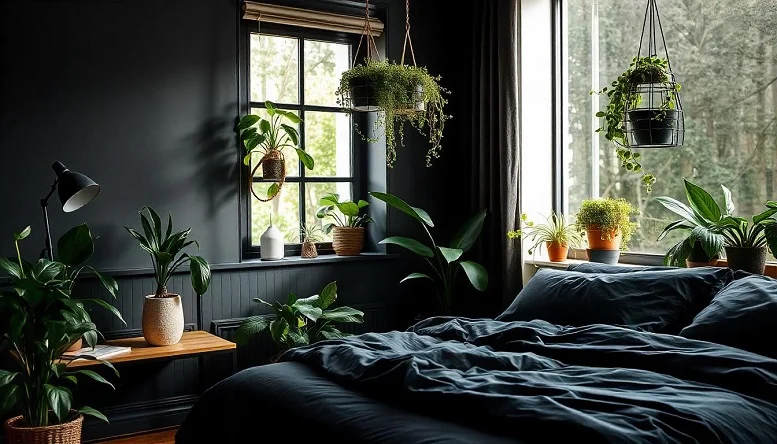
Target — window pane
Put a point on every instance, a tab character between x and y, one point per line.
324	64
328	140
292	161
274	69
284	211
315	191
730	105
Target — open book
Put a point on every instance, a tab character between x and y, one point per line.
100	351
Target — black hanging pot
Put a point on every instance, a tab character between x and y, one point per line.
650	127
751	260
361	95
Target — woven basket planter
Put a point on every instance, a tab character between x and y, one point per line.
348	241
273	167
309	250
66	433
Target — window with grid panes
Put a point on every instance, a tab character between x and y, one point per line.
301	75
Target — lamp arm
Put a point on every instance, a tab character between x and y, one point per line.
44	203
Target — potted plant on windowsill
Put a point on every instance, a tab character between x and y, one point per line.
42	322
557	235
300	322
311	234
402	94
162	319
269	137
746	241
608	227
348	225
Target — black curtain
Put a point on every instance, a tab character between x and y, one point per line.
495	143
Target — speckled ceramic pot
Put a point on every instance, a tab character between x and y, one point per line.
163	320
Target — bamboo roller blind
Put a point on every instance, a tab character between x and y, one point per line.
306	18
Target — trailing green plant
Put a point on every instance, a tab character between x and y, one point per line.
167	254
555	229
301	322
641	70
43	320
715	226
395	88
445	262
608	215
344	214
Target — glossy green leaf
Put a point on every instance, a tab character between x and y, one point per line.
264	125
292	133
711	242
23	234
330	200
10	268
395	202
91	374
702	202
330	332
415	276
7	377
59	399
468	234
676	225
309	311
273	190
292	298
156	224
9	397
86	410
76	246
17	321
362	203
477	275
343	314
108	307
349	209
758	218
270	107
293	118
250	327
306	159
200	273
45	270
409	244
728	201
328	296
679	209
450	254
278	330
247	122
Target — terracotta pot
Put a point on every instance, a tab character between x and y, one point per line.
273	167
603	240
348	241
78	345
162	320
751	260
65	433
692	264
557	252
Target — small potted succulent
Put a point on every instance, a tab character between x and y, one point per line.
348	225
557	235
311	234
162	319
403	94
269	137
608	227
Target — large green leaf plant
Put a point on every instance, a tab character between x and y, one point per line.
445	262
43	320
300	322
265	136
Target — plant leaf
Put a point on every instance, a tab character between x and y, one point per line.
59	399
679	209
393	201
362	203
711	243
328	296
292	133
702	202
86	410
349	209
45	270
7	377
477	275
76	246
676	225
728	201
415	276
273	190
306	159
200	271
450	254
330	332
108	307
410	244
9	396
247	121
278	330
468	234
293	118
91	374
343	314
250	327
23	234
10	268
309	311
108	282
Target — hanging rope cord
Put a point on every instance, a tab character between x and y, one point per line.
651	11
408	40
372	48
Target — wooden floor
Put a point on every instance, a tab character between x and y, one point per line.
161	437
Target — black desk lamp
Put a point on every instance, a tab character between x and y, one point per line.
75	191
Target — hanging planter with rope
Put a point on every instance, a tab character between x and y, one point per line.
644	109
400	93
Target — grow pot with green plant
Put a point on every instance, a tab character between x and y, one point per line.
162	319
311	234
42	320
556	233
643	111
347	226
746	241
608	227
403	95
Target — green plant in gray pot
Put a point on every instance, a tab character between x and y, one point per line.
445	262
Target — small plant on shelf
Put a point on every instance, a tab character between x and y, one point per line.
556	233
300	322
607	223
348	223
311	234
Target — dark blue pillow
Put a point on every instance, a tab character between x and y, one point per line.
595	267
661	301
742	315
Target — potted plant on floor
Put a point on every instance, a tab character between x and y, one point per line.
402	94
348	225
43	321
642	110
162	319
608	227
446	262
269	137
746	241
557	235
702	245
300	322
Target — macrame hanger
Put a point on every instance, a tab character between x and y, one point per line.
372	48
408	40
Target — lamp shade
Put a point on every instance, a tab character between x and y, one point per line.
75	189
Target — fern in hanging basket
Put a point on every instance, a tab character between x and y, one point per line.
402	94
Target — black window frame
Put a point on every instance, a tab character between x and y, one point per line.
356	179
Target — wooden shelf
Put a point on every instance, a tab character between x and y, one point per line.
192	343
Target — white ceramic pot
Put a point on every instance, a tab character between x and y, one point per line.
272	244
162	320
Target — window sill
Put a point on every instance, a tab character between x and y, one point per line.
544	262
296	261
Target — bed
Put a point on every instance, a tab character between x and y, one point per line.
638	377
